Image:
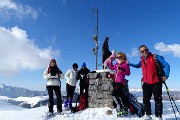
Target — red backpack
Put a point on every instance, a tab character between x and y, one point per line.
83	103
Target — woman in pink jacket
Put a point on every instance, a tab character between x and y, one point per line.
122	69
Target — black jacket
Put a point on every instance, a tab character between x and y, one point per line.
82	75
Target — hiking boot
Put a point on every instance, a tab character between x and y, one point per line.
147	117
119	114
158	117
67	108
66	103
124	112
70	103
50	113
60	113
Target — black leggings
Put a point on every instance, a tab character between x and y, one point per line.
70	91
84	86
57	91
119	92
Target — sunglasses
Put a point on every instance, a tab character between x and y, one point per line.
119	57
144	51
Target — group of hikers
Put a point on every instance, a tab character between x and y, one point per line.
152	79
53	74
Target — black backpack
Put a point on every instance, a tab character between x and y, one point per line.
159	67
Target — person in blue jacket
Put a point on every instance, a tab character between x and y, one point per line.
155	71
83	77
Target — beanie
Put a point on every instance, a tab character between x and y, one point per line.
83	64
75	65
53	60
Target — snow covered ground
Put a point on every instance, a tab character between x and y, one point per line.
12	112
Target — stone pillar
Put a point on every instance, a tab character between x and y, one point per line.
100	90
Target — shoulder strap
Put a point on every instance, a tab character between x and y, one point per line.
159	66
156	60
155	56
48	70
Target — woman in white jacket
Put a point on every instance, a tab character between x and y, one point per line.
71	77
53	74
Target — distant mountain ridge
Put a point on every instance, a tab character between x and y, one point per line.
14	92
17	96
22	96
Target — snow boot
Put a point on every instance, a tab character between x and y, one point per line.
119	113
124	111
60	113
70	103
66	104
147	117
50	114
158	118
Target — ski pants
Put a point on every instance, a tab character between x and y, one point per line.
84	86
156	90
70	91
119	92
57	91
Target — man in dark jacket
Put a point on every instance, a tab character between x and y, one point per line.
83	76
152	81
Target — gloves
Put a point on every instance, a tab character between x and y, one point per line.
83	77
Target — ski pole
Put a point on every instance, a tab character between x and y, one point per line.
170	99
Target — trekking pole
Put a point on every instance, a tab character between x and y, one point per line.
170	99
168	91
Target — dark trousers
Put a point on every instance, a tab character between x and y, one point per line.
57	91
156	90
119	92
70	91
84	86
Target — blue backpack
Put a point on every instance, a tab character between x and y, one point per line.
134	106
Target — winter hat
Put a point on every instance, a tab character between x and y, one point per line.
75	65
53	60
83	64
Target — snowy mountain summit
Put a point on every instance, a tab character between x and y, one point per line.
14	113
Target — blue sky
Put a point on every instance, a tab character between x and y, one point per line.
34	31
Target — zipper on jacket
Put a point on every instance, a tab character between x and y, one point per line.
146	70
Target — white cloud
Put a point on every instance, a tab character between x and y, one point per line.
134	52
18	52
10	9
173	48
